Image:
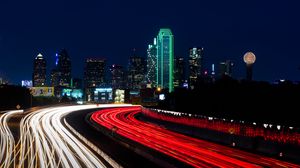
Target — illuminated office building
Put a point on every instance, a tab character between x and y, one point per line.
165	59
195	65
117	76
55	76
61	74
39	71
63	65
94	73
136	72
152	64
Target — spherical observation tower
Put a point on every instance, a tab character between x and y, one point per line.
249	59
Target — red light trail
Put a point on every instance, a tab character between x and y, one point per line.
285	136
192	151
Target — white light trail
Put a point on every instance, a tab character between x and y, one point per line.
46	140
7	141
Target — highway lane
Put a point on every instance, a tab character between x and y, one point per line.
195	152
110	146
45	140
7	141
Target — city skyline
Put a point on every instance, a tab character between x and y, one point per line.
94	29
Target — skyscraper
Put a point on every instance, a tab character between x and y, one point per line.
94	73
61	74
195	65
117	76
179	72
55	76
136	72
39	71
152	64
226	68
165	59
64	67
94	76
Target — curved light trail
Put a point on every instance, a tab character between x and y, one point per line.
47	141
7	141
195	152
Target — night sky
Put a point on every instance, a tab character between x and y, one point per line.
111	29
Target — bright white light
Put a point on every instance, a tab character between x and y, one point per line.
278	127
79	102
282	80
162	97
43	135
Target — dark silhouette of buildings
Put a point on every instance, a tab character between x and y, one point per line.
179	72
226	68
76	83
11	96
136	72
244	100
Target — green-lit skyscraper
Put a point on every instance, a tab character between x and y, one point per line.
165	59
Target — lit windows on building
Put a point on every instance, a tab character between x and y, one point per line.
39	71
195	65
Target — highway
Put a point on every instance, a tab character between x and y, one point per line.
194	152
112	147
46	141
7	141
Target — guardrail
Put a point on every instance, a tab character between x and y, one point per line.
270	132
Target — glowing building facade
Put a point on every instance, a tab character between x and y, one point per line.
165	59
152	64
